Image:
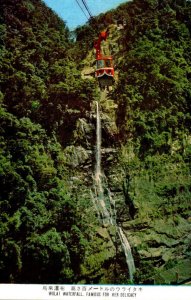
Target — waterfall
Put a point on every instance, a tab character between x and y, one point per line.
107	210
112	207
98	176
98	142
95	205
128	254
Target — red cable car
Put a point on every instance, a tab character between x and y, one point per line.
104	65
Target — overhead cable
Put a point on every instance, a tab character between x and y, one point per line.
82	9
87	8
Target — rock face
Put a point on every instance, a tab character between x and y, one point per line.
80	159
152	203
145	165
159	236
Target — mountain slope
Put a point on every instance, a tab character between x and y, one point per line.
42	232
50	230
153	117
152	95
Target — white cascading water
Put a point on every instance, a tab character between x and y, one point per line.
100	192
98	142
109	214
95	204
128	254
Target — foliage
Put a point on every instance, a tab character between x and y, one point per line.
42	232
154	88
40	78
45	224
37	214
153	94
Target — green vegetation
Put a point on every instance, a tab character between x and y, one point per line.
42	231
36	211
153	94
48	229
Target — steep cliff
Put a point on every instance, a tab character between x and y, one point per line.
51	229
148	170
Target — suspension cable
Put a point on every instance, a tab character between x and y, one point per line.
87	8
82	9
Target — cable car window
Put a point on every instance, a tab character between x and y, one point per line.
108	63
100	64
